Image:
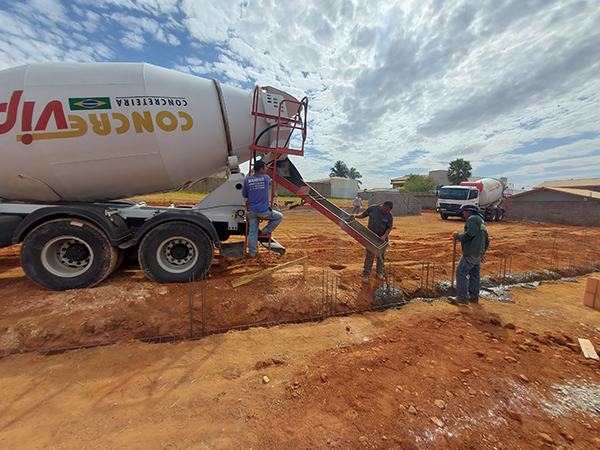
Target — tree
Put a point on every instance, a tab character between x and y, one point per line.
419	183
340	169
459	170
354	174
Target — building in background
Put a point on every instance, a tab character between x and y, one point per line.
568	202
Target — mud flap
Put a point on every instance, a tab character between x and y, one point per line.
232	249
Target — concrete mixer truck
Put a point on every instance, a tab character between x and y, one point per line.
488	194
76	136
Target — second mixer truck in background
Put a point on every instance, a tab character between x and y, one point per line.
488	194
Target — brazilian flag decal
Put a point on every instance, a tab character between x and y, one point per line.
89	103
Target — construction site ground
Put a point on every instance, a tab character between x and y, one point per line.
427	375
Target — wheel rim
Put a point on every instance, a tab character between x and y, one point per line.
177	254
67	256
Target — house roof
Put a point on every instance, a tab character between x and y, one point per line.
327	180
578	192
584	182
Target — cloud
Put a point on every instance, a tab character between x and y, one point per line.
393	87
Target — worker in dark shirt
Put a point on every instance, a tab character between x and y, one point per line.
381	222
475	242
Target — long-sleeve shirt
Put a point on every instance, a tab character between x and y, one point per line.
474	240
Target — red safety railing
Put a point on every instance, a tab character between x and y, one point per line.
296	122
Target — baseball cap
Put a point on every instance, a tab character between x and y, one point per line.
469	207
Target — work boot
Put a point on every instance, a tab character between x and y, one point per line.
474	300
366	279
262	233
459	301
380	276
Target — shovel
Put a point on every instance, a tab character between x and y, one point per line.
452	290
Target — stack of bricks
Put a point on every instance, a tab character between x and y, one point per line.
592	293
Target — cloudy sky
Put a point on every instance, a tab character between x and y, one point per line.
394	87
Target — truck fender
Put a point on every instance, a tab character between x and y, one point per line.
196	218
113	225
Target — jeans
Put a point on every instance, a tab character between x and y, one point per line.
369	263
356	210
468	288
254	218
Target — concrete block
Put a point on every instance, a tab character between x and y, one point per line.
593	285
589	299
597	301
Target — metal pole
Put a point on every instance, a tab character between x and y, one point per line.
192	307
336	296
323	297
204	306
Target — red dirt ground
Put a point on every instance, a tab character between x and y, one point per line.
428	375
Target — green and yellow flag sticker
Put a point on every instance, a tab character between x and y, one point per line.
89	103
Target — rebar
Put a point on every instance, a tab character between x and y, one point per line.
191	302
204	305
329	294
329	309
427	270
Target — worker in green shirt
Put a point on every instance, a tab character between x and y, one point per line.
474	241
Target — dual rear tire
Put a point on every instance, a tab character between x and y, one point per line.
75	254
175	252
68	254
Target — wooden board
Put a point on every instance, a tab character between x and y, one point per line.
248	278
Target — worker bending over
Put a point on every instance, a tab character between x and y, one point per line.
381	222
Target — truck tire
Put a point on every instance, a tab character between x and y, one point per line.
444	216
500	215
173	252
68	254
493	215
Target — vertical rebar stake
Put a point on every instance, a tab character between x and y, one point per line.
204	283
323	297
336	295
190	300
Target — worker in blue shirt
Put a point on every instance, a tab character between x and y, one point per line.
256	190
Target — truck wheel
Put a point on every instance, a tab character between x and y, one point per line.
493	215
500	215
68	254
174	251
444	216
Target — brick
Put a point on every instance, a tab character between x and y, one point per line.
597	301
592	285
589	299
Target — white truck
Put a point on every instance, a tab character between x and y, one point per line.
488	194
74	137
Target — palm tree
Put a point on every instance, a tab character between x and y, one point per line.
354	174
340	169
459	170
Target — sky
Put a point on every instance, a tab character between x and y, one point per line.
393	87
